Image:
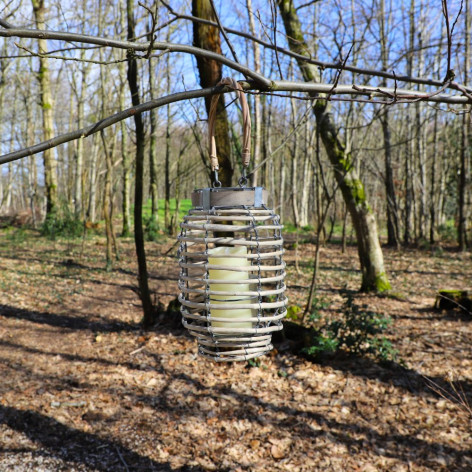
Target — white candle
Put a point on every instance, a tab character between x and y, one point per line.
237	288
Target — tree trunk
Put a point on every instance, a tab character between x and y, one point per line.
107	202
149	313
153	167
207	37
294	184
50	164
432	195
257	98
374	277
79	157
124	140
464	175
392	209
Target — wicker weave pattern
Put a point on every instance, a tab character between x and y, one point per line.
260	283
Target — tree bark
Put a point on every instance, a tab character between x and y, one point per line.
50	164
392	209
153	166
125	206
374	277
148	310
464	173
257	99
207	37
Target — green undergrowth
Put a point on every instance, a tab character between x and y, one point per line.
185	206
356	331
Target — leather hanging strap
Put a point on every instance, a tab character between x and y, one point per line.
246	152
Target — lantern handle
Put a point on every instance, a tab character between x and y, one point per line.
246	152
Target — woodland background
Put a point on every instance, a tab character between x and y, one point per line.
422	150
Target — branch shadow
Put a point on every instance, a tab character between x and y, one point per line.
401	377
65	321
70	444
66	443
393	445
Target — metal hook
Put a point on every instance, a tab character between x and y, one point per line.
216	182
243	180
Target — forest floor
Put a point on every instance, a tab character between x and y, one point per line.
84	389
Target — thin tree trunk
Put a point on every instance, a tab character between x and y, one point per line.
392	209
432	195
257	98
154	170
294	168
149	313
107	202
79	162
465	163
408	178
92	207
374	277
50	164
126	165
306	188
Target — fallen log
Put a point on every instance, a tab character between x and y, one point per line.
454	299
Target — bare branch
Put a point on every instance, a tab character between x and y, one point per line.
152	32
273	10
316	62
109	121
338	75
449	32
5	24
223	32
372	92
65	58
135	46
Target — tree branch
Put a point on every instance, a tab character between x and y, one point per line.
316	62
135	46
396	94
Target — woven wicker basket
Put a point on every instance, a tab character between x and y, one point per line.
233	316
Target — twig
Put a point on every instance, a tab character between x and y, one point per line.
137	350
151	33
340	71
122	459
65	58
395	88
273	10
307	59
132	47
307	4
223	32
449	31
5	24
188	95
459	398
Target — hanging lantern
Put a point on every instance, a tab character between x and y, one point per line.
232	272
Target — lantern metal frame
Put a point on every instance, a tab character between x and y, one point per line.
250	223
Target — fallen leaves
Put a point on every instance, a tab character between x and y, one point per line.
76	361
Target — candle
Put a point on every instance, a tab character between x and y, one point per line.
237	288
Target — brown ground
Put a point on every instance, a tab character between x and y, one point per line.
83	389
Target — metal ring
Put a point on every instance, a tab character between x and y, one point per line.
242	181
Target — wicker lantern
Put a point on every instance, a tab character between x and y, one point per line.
232	272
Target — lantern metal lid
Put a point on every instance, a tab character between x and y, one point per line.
232	272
